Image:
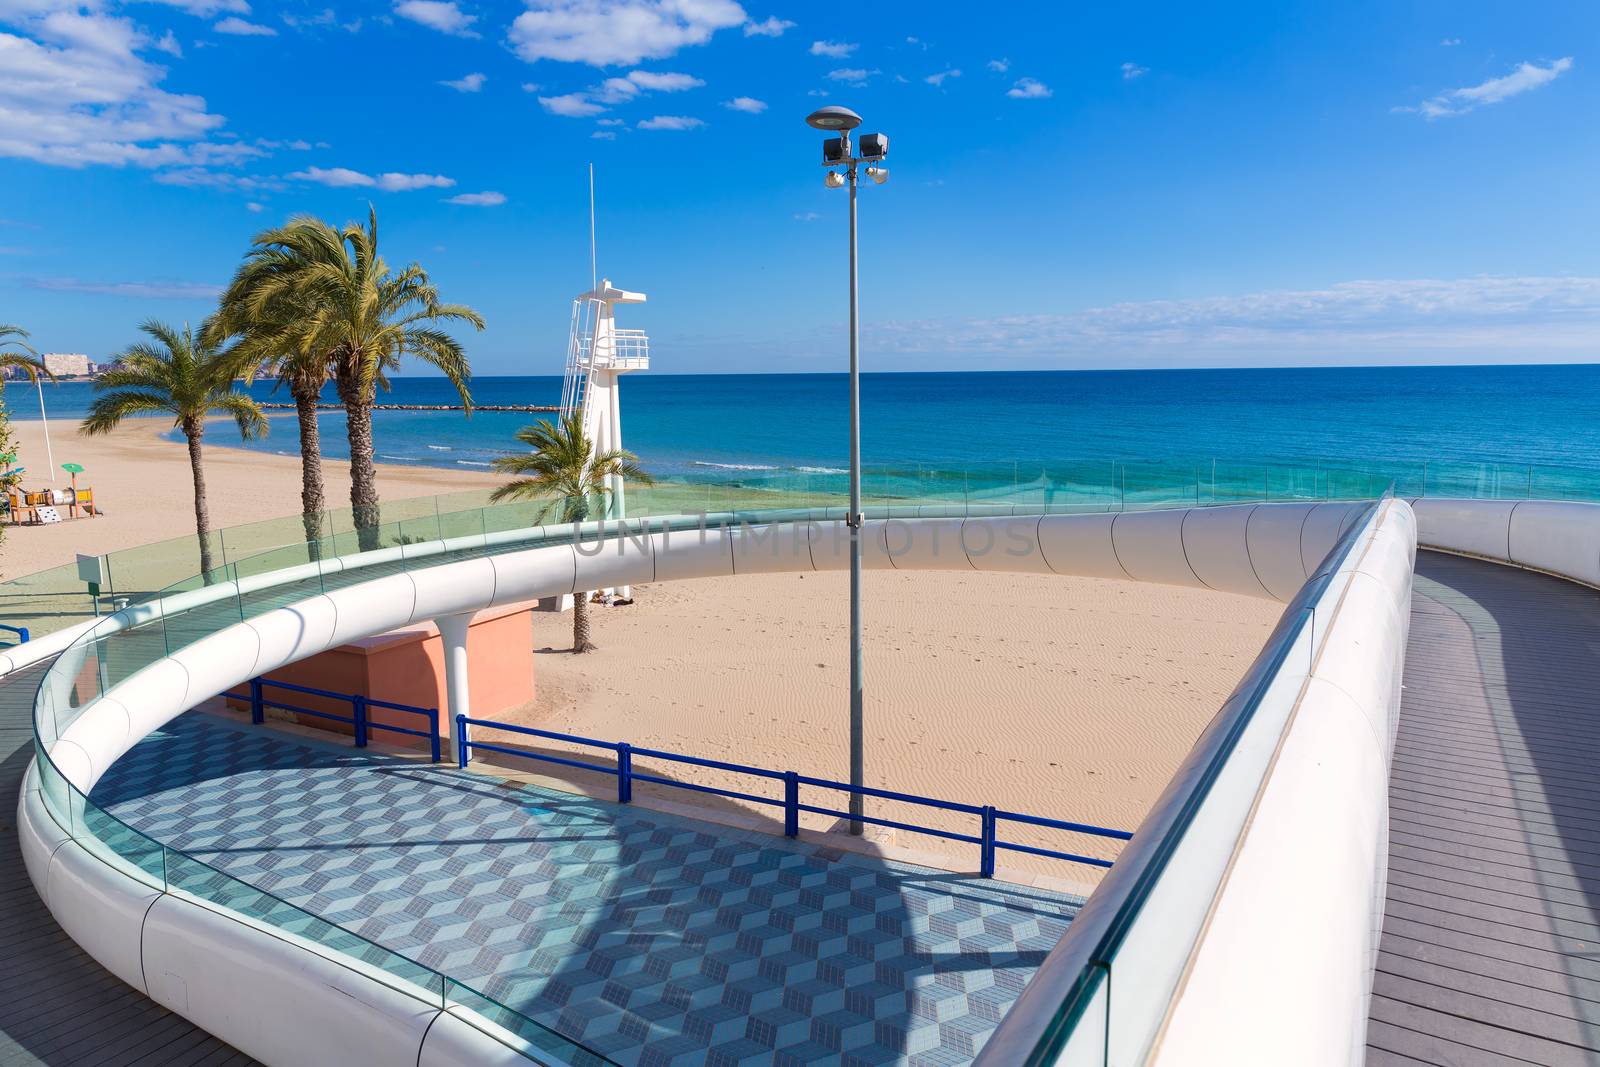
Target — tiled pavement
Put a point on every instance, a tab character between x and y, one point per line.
650	938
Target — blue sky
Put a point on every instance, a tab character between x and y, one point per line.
1072	185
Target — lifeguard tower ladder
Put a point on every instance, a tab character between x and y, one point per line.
598	355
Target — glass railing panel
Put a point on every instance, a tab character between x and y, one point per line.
1150	959
1558	483
1085	486
53	788
520	1033
1087	1045
137	573
48	600
119	845
204	882
463	524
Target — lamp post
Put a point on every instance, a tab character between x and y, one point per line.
44	421
837	153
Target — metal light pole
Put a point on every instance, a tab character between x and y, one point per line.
837	152
44	419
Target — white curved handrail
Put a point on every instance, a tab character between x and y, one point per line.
1263	550
1559	537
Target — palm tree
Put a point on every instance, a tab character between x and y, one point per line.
270	342
363	318
188	377
566	473
21	355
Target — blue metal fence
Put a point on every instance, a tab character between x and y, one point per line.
360	711
989	817
20	631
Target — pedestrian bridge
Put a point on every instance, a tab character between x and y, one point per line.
1288	883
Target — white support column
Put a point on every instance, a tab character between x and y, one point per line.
453	630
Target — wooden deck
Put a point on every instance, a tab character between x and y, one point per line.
58	1006
1491	941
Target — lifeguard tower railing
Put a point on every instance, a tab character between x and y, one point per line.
625	350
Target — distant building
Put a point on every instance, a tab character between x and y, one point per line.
68	364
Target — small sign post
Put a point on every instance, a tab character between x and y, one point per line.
91	569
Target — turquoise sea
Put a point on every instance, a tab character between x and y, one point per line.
703	425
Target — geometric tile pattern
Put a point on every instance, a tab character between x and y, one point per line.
650	938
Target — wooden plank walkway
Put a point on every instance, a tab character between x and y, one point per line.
57	1005
1491	940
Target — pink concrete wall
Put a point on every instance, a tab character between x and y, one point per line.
407	667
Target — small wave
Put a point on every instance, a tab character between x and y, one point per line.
471	463
822	470
440	448
736	466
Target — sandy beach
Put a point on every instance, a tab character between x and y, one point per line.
143	483
1071	698
1064	697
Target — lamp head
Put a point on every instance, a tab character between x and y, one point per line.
833	118
878	174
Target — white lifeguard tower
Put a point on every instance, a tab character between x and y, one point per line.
598	355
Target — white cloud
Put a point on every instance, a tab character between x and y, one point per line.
617	32
75	93
772	27
671	122
1130	71
603	135
1527	77
400	183
443	15
572	105
852	75
1351	322
471	83
152	290
531	87
832	49
938	79
1029	89
999	66
238	27
664	82
618	91
1449	42
255	208
483	199
338	177
747	104
392	182
203	178
609	122
206	8
169	44
807	216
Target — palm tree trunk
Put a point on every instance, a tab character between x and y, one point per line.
580	623
363	477
202	518
311	495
